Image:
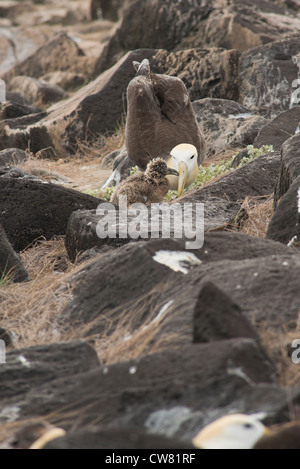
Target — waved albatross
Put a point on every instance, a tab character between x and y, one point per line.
145	187
241	431
160	118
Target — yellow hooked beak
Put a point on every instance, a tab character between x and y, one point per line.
183	172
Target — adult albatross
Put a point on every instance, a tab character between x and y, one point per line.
161	123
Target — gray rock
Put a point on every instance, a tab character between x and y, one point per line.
256	178
285	223
12	109
152	393
102	438
267	87
280	129
217	317
289	168
11	267
82	233
30	209
29	368
226	124
59	53
146	23
38	92
218	251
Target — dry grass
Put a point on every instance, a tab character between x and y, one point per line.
102	145
27	308
259	211
30	310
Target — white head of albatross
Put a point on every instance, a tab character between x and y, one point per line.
237	431
184	158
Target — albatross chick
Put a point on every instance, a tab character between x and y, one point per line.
148	187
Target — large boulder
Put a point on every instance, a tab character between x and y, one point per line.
82	233
198	23
37	92
60	53
11	267
151	393
31	208
256	178
226	124
279	129
268	76
285	223
146	24
31	367
289	168
19	43
168	262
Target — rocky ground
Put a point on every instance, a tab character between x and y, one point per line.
114	340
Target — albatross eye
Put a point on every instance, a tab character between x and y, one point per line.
192	157
248	425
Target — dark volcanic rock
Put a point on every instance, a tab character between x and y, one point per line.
225	123
13	109
103	438
290	167
267	86
162	16
11	266
205	72
59	53
20	133
285	223
172	25
218	317
30	209
279	129
256	178
37	91
82	232
106	277
152	393
92	297
33	366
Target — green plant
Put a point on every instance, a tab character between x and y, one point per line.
6	276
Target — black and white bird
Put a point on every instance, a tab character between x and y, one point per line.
161	123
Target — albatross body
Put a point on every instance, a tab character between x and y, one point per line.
160	117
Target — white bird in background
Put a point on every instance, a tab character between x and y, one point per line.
237	431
